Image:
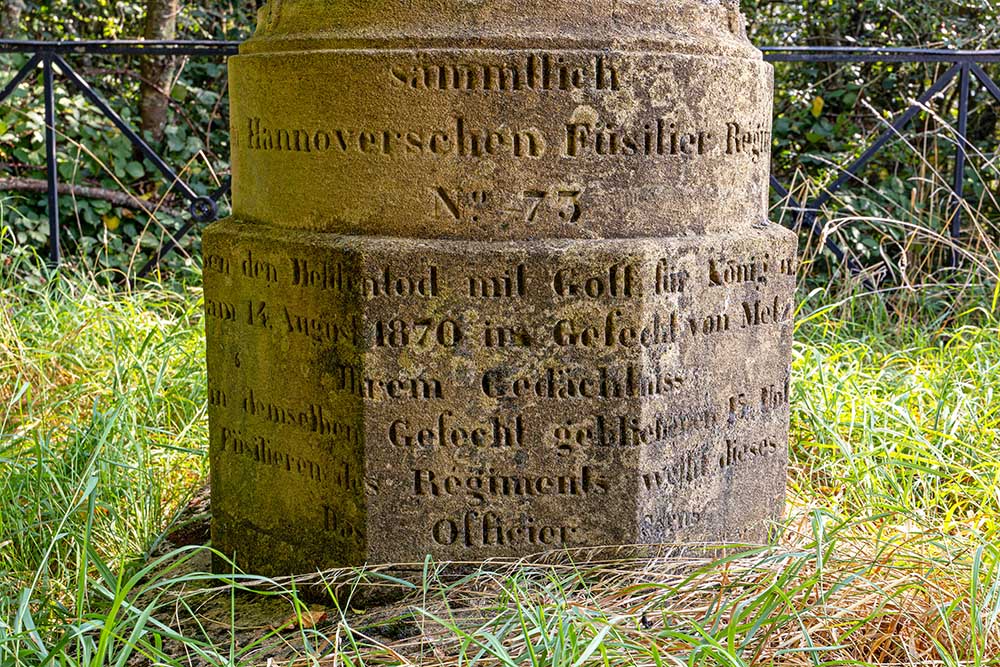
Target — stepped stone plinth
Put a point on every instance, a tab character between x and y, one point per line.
499	280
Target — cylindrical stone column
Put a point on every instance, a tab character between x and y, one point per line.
499	279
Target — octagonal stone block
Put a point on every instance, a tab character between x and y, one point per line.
378	400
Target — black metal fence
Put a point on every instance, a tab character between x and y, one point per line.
202	209
963	66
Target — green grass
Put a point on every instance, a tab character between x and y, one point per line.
899	418
101	419
888	555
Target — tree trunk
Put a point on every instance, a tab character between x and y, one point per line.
158	71
10	18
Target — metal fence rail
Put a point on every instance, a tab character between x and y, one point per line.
965	66
49	55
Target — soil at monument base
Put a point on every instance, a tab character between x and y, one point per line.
264	623
263	620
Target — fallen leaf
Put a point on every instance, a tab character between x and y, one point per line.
817	107
305	621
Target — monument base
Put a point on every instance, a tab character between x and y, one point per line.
376	400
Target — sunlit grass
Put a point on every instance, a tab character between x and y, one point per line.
887	556
101	420
903	419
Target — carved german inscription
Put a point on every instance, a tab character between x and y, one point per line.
480	386
531	72
490	290
419	140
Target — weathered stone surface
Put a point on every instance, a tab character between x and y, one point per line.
499	280
653	116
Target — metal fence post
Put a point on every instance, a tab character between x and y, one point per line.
55	240
961	153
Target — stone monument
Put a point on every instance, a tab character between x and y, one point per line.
499	280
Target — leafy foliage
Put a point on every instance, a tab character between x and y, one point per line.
826	114
107	19
93	153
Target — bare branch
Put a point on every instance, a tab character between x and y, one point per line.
116	197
